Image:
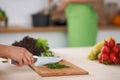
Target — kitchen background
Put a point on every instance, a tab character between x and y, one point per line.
19	13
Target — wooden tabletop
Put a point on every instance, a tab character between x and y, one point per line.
76	56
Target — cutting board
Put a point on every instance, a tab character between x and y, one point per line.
72	70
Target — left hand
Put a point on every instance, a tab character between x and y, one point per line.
62	5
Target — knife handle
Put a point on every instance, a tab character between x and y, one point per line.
35	58
15	62
12	61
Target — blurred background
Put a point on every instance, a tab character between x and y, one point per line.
38	18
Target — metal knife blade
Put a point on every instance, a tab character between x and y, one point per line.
40	61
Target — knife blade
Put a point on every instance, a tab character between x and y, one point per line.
40	61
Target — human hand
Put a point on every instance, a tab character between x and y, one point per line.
62	5
20	55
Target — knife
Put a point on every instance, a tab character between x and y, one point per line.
40	61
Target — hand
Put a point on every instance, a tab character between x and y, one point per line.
62	5
21	55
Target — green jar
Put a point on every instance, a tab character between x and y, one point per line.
82	25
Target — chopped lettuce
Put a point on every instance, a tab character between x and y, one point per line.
42	42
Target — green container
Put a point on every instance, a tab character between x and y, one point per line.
82	25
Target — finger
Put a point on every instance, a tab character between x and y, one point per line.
25	61
31	57
28	56
17	65
28	59
20	62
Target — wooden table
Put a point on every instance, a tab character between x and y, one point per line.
76	56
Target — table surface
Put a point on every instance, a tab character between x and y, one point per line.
76	56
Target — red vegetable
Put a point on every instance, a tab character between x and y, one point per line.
106	43
112	56
105	62
110	61
110	53
118	44
117	61
115	49
106	50
100	59
118	54
111	43
105	57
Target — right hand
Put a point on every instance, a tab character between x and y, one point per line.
20	55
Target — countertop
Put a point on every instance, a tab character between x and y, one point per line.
76	56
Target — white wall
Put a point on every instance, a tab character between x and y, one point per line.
55	39
102	34
19	11
113	1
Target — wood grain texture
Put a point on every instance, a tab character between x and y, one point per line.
34	29
49	29
47	72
